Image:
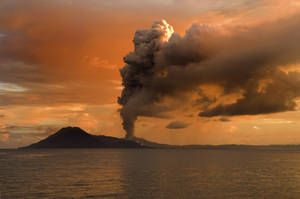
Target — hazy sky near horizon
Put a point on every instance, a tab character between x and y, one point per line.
60	61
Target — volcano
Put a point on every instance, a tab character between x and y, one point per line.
75	137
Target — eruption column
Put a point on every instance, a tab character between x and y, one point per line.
140	64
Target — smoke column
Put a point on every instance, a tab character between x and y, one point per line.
139	64
253	62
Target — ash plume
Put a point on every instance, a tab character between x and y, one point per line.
253	61
139	66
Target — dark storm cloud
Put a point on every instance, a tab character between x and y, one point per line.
278	96
177	125
239	60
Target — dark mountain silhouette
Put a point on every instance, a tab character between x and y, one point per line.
74	137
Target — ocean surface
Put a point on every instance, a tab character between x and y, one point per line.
149	173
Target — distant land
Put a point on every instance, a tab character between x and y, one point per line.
75	137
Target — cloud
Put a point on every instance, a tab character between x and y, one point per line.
52	55
34	130
244	61
236	67
177	125
224	119
4	136
20	135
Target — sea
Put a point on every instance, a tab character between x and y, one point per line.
149	174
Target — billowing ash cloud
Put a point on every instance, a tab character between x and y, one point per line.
253	62
140	66
177	125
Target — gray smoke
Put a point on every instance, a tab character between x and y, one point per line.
251	61
139	67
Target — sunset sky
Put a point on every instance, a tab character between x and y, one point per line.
60	61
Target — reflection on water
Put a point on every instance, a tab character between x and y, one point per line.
146	173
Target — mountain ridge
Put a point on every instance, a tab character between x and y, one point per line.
75	137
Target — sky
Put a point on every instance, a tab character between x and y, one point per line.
60	62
